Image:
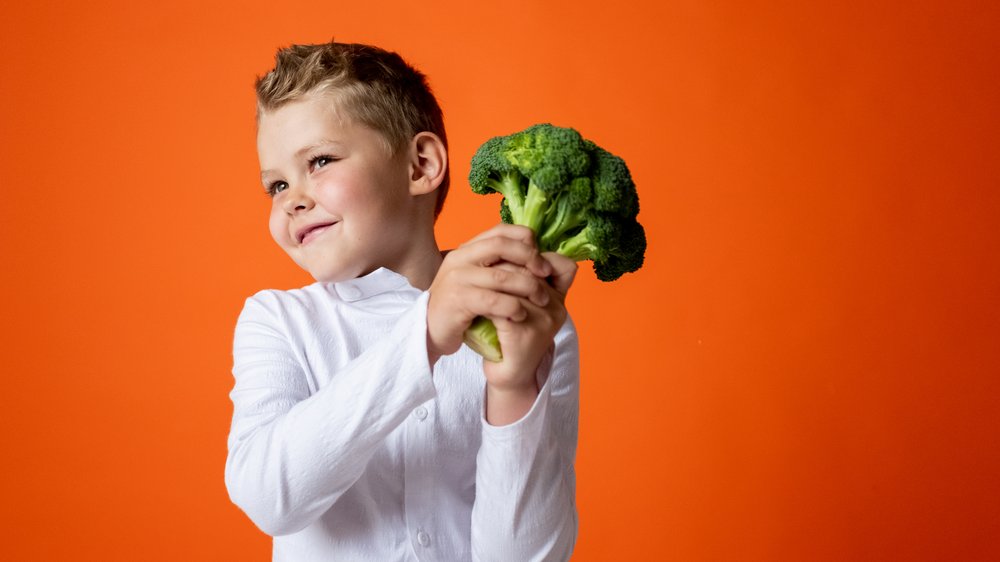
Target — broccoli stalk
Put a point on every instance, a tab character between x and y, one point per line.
566	215
535	205
577	198
482	338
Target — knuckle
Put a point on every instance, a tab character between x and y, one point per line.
500	276
514	309
510	306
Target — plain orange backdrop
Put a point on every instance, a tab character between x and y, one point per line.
805	369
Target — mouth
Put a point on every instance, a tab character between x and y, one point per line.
305	235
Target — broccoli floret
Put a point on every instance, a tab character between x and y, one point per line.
614	190
492	173
629	256
529	169
578	198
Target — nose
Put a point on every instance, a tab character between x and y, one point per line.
297	200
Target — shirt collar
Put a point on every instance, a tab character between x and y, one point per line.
382	280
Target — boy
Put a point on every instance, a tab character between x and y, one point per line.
362	428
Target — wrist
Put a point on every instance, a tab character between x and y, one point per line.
507	404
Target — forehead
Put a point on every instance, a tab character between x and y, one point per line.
289	132
299	120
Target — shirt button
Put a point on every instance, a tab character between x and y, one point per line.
421	413
423	538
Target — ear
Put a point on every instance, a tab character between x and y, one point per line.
428	162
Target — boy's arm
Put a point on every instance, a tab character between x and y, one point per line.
525	484
525	487
291	455
525	507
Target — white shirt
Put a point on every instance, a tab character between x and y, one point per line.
345	446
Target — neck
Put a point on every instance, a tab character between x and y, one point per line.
422	276
421	263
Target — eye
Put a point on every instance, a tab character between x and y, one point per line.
320	161
276	188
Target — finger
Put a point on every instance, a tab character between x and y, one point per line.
512	231
496	305
542	320
492	250
563	271
511	279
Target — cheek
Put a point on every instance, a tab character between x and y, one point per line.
338	199
278	227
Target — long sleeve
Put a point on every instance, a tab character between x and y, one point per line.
525	506
293	451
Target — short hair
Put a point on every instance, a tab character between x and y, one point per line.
377	87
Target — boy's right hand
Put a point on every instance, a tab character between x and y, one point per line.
466	286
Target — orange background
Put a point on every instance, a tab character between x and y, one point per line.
805	369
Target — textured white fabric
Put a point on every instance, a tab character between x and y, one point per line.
344	446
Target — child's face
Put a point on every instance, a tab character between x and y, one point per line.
341	207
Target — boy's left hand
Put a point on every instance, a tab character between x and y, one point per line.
511	384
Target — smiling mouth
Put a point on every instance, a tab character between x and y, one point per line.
313	232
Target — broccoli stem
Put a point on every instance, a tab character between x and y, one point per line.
564	220
577	247
510	185
482	338
482	333
527	210
533	213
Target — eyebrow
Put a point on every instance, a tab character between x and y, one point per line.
300	152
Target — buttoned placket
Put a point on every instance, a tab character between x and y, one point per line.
418	480
418	437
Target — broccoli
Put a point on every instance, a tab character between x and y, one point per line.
578	199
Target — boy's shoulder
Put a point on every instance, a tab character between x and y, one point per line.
298	294
284	301
382	291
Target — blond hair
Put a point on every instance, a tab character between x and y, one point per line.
375	86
